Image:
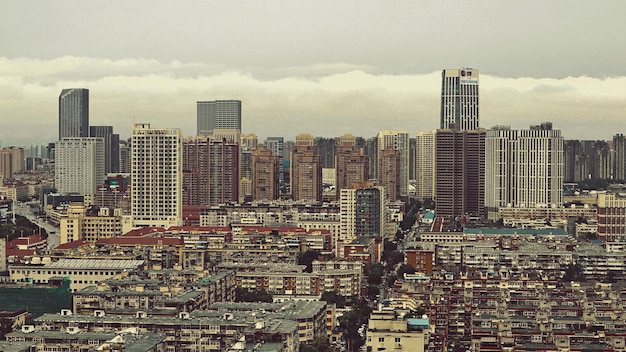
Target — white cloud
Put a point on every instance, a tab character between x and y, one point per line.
323	99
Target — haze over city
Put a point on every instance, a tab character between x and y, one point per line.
320	67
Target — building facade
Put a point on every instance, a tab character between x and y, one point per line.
265	174
156	155
459	99
218	114
351	164
74	113
79	166
306	170
12	161
111	147
425	165
398	140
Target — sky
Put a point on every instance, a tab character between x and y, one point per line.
320	67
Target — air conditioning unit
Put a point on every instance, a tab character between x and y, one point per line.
66	312
72	330
98	313
183	315
28	328
140	314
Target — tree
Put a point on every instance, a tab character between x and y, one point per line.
351	321
393	258
405	269
320	344
243	295
307	258
391	279
332	297
376	274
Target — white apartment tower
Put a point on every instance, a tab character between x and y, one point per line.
459	99
156	173
79	166
523	168
425	165
399	140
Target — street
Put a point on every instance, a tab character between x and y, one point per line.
53	232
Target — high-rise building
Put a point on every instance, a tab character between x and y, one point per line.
351	165
156	176
12	161
619	157
523	168
398	140
425	165
389	171
79	166
265	178
459	173
210	171
218	114
125	157
74	113
306	170
362	212
326	149
111	147
459	99
276	145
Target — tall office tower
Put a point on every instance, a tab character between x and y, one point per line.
210	171
218	114
619	157
362	212
326	149
389	170
265	174
306	170
523	168
111	147
371	150
74	113
499	169
124	161
539	167
399	140
459	173
459	99
276	145
79	166
425	165
156	176
12	161
351	165
412	158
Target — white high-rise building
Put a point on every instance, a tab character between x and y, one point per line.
425	165
523	168
156	172
79	166
459	99
399	140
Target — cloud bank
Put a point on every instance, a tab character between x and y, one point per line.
325	99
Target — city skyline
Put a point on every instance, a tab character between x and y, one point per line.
358	69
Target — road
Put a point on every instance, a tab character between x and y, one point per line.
53	231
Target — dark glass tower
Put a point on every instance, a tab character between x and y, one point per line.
74	113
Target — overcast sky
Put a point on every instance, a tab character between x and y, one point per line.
319	67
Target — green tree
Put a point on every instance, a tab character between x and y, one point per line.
307	258
391	279
333	297
320	344
351	321
375	274
243	295
405	269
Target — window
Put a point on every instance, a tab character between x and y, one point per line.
381	339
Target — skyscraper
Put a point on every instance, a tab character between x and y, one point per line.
74	113
459	173
156	173
265	179
79	166
351	165
398	140
111	147
459	99
306	170
218	114
11	161
425	165
390	172
523	168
